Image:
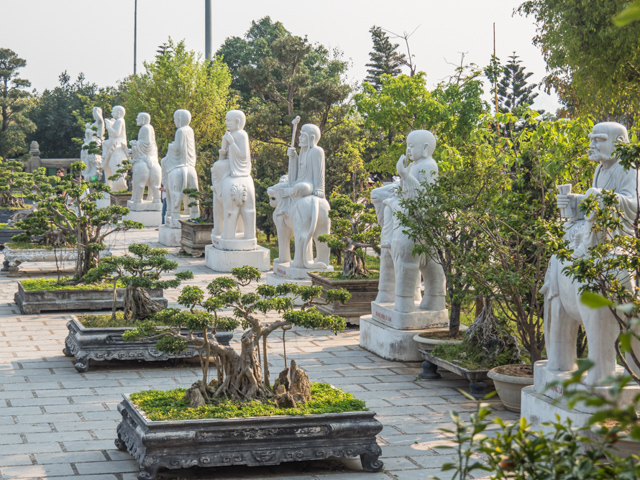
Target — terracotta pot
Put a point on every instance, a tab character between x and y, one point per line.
509	387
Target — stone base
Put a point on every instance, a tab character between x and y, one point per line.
418	320
237	244
169	237
541	403
285	270
149	218
144	206
103	202
224	260
388	342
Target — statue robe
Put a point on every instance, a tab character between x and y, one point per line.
147	147
308	168
181	152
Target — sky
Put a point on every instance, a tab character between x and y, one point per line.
96	38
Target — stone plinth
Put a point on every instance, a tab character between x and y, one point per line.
541	403
169	237
224	260
147	213
234	244
144	206
104	202
389	333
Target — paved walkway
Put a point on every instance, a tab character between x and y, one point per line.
57	423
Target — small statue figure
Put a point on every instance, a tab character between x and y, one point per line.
179	170
301	210
92	160
234	196
115	148
146	171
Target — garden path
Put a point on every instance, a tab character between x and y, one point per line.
57	423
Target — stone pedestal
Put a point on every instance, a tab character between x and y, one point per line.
285	273
169	237
104	202
389	334
224	260
541	403
147	213
234	244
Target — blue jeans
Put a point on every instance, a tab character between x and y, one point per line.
164	209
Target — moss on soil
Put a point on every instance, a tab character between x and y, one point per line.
468	356
49	284
170	405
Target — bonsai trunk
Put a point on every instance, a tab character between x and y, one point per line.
138	304
242	372
454	319
353	265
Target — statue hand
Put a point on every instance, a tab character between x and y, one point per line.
222	152
593	191
562	201
291	152
228	138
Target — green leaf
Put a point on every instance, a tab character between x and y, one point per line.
630	14
595	300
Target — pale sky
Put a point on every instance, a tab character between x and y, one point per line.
96	37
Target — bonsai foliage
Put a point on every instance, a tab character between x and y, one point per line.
140	270
12	180
205	201
355	227
240	375
69	203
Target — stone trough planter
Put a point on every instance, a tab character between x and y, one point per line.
479	380
14	257
254	441
194	237
7	233
36	301
101	344
363	291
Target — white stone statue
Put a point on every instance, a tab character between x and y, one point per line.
98	125
93	161
563	310
400	270
234	197
115	148
145	171
301	210
179	170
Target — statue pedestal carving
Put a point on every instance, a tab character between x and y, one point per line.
170	237
223	261
542	404
147	213
234	244
285	273
389	333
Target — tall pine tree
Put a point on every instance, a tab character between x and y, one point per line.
513	89
385	58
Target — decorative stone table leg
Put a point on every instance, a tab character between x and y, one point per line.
82	363
429	371
5	266
370	462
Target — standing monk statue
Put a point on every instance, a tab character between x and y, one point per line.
115	148
179	169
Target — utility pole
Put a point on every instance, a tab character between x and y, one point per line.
135	36
207	29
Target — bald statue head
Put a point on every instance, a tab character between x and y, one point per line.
420	144
181	117
118	111
604	138
235	120
309	135
143	118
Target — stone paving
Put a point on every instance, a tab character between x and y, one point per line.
57	423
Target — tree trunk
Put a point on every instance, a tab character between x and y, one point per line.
353	265
138	304
454	319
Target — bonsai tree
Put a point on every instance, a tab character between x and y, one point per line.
355	227
240	375
205	200
69	204
12	182
139	271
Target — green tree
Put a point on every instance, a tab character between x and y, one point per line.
514	93
14	104
12	181
59	116
179	78
592	64
385	58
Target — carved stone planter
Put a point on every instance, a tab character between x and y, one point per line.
14	257
7	233
36	301
255	441
195	236
120	199
479	380
101	344
363	291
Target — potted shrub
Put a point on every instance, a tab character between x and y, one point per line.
240	416
196	233
137	287
355	228
67	206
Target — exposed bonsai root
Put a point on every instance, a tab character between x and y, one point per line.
487	333
353	265
138	303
